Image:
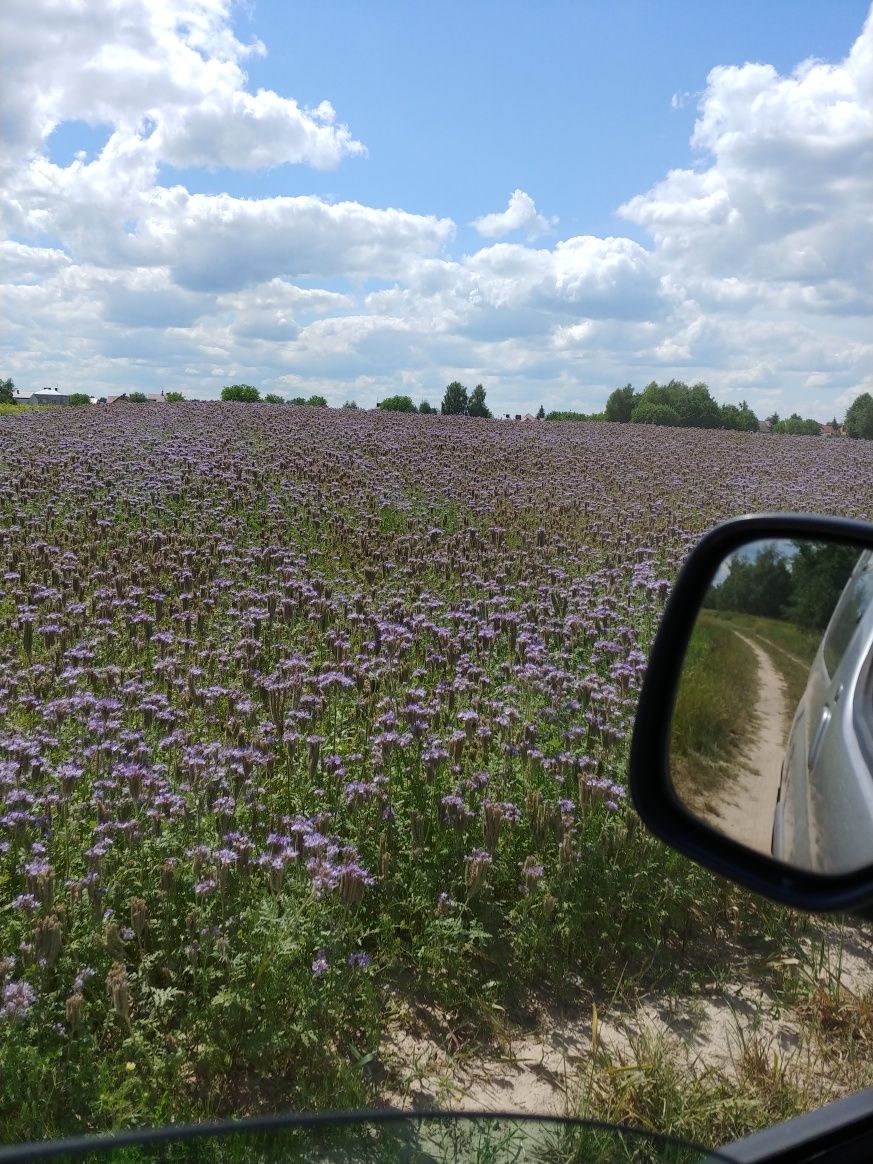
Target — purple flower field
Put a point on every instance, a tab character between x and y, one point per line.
301	709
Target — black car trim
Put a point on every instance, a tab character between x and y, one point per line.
651	789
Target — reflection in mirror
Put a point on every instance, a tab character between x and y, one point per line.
772	735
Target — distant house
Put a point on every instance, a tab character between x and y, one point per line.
528	416
151	398
831	430
47	396
765	426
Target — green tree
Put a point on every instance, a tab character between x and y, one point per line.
397	404
695	405
350	406
859	417
621	404
455	401
7	389
761	585
137	397
298	400
274	398
795	425
426	408
565	416
316	401
748	421
655	393
541	413
647	412
740	418
174	398
79	399
476	405
819	572
241	393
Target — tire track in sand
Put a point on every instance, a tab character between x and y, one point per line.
746	813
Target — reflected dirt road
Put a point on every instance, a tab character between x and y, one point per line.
747	804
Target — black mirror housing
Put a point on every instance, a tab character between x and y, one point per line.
652	789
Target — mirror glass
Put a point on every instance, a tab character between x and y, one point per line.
772	734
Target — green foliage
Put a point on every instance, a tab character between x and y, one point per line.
621	404
819	572
859	417
174	398
455	401
796	426
693	407
739	418
802	586
137	397
652	413
297	400
79	399
677	404
555	415
241	393
274	398
761	585
426	408
541	413
476	405
397	404
316	401
350	406
7	388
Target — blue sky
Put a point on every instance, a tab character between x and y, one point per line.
658	190
460	103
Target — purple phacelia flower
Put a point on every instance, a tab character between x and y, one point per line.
320	964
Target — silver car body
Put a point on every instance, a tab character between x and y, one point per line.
824	813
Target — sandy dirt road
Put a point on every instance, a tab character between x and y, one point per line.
748	802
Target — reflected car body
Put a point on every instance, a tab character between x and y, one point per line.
824	813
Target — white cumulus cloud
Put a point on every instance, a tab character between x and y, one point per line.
520	214
754	276
167	71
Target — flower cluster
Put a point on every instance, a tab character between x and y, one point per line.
291	663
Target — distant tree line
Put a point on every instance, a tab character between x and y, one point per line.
677	404
803	586
693	406
248	394
794	425
457	401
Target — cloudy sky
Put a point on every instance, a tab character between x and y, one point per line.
364	198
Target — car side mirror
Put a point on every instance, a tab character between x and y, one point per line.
753	745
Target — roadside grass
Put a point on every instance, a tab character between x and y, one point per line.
657	1084
656	1081
715	709
791	648
16	409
